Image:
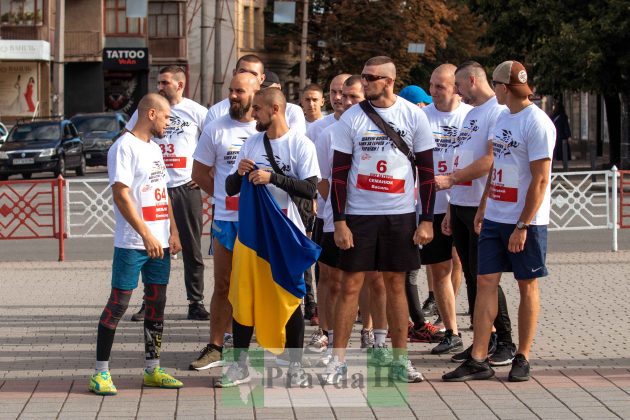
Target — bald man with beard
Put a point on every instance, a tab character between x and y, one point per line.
216	153
374	215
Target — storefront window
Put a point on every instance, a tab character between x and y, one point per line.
21	12
117	22
165	19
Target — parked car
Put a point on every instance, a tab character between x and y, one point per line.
3	133
98	131
42	145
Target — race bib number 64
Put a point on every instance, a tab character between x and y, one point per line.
154	204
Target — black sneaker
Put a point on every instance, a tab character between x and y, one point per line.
309	311
470	370
503	355
138	316
465	355
520	369
197	312
429	307
449	344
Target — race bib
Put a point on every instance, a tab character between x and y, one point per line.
462	159
382	172
504	183
281	197
171	160
154	203
231	203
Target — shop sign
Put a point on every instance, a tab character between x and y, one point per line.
24	50
125	58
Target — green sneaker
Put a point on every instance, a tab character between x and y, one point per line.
380	355
161	379
101	384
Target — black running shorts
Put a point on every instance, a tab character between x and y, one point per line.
440	249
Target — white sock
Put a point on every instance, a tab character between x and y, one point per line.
330	338
379	337
101	366
151	364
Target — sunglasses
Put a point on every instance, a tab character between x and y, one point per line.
372	77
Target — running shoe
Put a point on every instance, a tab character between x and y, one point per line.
296	376
520	369
138	316
450	344
403	371
465	355
208	358
197	312
318	342
325	358
367	338
429	307
159	378
439	324
380	355
336	372
101	384
237	374
503	355
427	334
470	370
228	341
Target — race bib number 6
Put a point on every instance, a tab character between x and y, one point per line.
382	172
154	204
504	183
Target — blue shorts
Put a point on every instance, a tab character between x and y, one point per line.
225	233
494	257
129	263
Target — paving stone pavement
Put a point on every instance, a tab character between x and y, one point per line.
49	313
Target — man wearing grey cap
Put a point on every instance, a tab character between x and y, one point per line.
512	219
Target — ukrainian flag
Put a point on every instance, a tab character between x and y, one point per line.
268	263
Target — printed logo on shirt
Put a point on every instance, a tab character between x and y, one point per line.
284	168
157	172
446	138
176	126
465	134
503	143
232	153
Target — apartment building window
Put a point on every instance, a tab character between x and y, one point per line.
166	19
117	22
21	12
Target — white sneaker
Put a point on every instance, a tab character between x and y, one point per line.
403	371
296	376
367	338
318	342
236	374
336	371
325	358
228	341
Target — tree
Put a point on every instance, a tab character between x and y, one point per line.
569	45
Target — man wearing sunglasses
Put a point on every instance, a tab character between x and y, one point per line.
512	219
374	208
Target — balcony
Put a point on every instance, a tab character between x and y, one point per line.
83	45
26	32
168	48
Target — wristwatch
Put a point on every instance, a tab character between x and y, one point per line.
520	225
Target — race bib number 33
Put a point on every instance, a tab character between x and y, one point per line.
382	172
170	159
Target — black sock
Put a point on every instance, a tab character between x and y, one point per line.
217	348
294	331
325	332
104	343
431	297
242	336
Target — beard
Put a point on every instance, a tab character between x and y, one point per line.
238	110
375	96
166	95
260	126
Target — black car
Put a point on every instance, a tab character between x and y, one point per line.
42	145
98	131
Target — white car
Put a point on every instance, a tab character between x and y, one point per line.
3	133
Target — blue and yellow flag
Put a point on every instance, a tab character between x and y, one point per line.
268	263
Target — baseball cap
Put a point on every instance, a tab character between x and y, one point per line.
270	79
415	95
512	74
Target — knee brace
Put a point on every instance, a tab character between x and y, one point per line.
154	301
115	308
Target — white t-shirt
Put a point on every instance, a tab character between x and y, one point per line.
293	114
445	127
139	165
180	139
519	139
381	178
312	132
325	159
472	144
218	147
294	154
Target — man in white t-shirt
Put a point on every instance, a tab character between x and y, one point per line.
177	147
145	236
320	339
512	217
214	158
373	205
252	64
446	116
294	154
312	101
472	161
